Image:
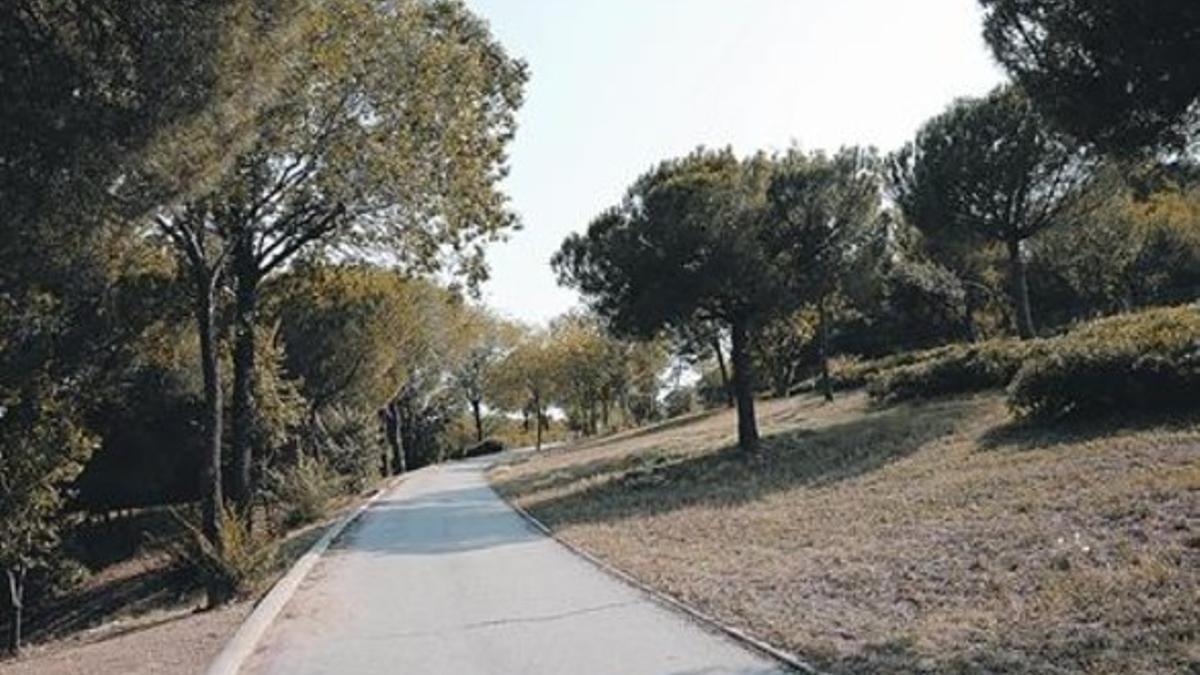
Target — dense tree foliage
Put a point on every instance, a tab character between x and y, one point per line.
990	170
1119	74
685	245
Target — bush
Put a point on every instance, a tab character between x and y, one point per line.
488	446
954	370
1144	361
350	443
680	401
245	559
304	490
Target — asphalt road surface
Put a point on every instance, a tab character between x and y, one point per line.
442	577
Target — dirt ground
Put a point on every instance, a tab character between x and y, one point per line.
165	642
926	538
131	618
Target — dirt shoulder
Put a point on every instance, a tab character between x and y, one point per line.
931	538
131	618
181	641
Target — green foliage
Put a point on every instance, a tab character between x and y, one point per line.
682	243
954	370
1115	73
990	170
348	439
303	490
42	448
679	401
821	210
1149	361
238	563
1131	252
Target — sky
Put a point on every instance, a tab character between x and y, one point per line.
618	85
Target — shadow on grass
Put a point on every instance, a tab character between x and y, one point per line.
1039	434
658	427
153	589
652	482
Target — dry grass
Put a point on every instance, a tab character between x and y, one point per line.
932	538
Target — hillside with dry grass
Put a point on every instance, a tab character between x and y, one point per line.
935	537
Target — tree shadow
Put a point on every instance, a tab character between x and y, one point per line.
154	589
648	483
448	521
1022	435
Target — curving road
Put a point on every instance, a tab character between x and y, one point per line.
442	577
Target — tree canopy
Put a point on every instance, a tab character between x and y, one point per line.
1121	75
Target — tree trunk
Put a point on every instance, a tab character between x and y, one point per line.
385	422
743	387
477	411
396	438
247	278
537	421
823	349
724	371
1020	281
16	591
211	499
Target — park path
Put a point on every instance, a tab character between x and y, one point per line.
440	576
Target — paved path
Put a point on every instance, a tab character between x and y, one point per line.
441	577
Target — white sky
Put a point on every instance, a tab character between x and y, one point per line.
617	85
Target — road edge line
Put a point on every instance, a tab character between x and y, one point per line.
244	641
786	658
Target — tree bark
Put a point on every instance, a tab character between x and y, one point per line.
537	414
247	279
385	424
743	387
16	591
395	437
211	499
477	411
823	349
724	371
1020	281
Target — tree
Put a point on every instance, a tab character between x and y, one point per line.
684	246
783	345
821	210
42	448
525	379
1119	74
485	341
991	169
387	138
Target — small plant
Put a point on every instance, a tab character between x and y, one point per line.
236	565
303	490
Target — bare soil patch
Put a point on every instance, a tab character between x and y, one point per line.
923	538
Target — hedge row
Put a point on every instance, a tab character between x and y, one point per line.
960	369
1139	362
1144	361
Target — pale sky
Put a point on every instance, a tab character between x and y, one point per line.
618	85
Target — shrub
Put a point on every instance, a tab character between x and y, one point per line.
488	446
954	370
303	489
350	443
1144	361
243	562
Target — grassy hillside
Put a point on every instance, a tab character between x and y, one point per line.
918	538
